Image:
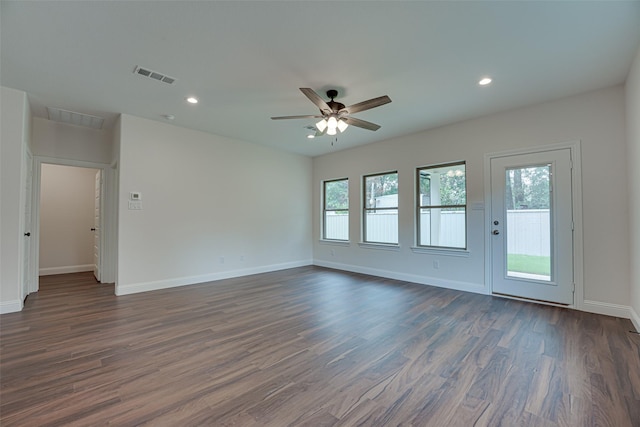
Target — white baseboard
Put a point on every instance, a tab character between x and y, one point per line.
615	310
10	306
413	278
135	288
635	318
597	307
65	269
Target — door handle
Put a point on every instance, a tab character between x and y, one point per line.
495	232
93	229
28	234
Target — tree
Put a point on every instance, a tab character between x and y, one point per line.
452	185
528	188
517	189
380	185
337	194
453	188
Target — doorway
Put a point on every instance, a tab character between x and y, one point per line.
103	212
531	242
69	219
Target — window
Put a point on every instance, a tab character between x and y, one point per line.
380	224
335	215
442	206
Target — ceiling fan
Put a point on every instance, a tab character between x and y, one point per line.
335	116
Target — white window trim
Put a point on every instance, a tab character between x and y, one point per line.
335	242
380	246
432	250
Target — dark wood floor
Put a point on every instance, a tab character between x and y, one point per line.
310	347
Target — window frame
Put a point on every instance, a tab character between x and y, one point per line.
419	206
365	209
325	210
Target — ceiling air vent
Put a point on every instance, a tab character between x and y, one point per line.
145	72
73	118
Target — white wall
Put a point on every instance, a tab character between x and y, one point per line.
15	117
66	217
633	161
596	119
213	207
65	141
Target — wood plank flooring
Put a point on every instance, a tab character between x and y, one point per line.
310	347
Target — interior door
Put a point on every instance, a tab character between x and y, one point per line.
532	226
27	276
96	226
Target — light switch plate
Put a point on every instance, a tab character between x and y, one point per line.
135	206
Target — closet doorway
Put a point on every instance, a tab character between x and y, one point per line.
70	219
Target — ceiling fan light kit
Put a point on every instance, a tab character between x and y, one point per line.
335	116
321	125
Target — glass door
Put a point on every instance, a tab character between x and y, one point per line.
531	226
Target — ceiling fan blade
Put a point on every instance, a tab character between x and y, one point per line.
361	123
366	105
295	117
316	99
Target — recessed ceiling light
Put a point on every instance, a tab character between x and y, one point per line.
192	100
311	136
485	81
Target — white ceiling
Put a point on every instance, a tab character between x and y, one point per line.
246	60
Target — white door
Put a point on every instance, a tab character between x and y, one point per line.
532	226
27	274
96	226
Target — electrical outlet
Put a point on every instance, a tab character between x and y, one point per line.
241	258
333	253
221	260
436	264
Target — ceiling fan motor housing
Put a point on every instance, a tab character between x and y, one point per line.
335	106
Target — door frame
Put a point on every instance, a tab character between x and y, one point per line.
24	196
97	267
576	200
108	246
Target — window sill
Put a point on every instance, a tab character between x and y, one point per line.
441	251
380	246
334	242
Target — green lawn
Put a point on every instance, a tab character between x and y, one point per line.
529	264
